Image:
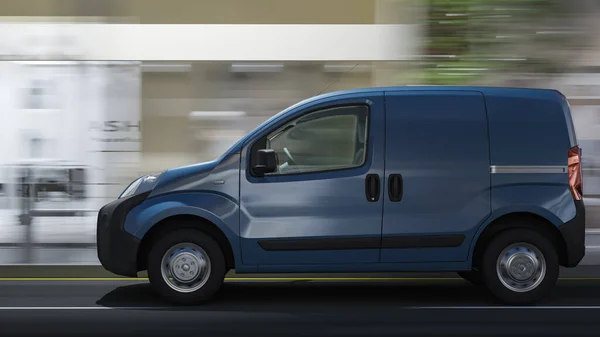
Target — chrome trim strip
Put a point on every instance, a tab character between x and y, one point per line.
527	169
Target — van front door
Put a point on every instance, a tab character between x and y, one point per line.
437	172
323	205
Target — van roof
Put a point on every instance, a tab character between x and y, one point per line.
489	91
497	91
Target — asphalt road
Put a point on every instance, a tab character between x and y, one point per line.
445	306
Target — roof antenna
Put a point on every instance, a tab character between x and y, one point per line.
338	79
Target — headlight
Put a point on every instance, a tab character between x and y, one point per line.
130	190
140	185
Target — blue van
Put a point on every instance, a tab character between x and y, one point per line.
481	181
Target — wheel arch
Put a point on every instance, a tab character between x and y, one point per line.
519	220
184	221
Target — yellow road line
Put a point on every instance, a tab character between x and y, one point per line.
234	279
71	279
288	279
341	279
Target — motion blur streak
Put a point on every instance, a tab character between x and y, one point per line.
95	93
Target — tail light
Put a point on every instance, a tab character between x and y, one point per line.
575	176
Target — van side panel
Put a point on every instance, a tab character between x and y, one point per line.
527	127
541	194
530	130
314	217
438	142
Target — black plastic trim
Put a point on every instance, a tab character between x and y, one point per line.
321	244
372	186
117	249
395	187
573	233
423	241
408	241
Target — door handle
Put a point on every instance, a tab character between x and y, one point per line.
372	187
395	187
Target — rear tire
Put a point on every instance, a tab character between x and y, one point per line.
186	267
520	266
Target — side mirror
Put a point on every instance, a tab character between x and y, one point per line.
266	162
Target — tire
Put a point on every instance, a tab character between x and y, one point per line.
513	288
472	276
191	249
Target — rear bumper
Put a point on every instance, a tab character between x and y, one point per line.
117	249
573	233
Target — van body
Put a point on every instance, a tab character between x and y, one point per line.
478	180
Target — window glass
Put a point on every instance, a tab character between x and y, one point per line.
324	140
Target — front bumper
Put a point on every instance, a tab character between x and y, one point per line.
117	249
573	233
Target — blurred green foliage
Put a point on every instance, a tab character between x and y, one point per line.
468	41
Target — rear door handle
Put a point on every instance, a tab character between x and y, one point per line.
372	187
395	187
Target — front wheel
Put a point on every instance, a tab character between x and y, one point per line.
186	267
520	266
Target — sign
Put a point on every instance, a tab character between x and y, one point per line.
116	126
115	123
127	132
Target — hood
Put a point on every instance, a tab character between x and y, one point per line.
181	177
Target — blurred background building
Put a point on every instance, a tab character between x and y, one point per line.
96	92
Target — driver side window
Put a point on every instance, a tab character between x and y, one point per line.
324	140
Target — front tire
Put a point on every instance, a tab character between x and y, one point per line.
186	267
520	266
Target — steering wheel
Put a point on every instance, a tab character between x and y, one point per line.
289	155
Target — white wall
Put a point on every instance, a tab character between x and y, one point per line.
195	42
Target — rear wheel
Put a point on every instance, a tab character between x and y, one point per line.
186	267
520	266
